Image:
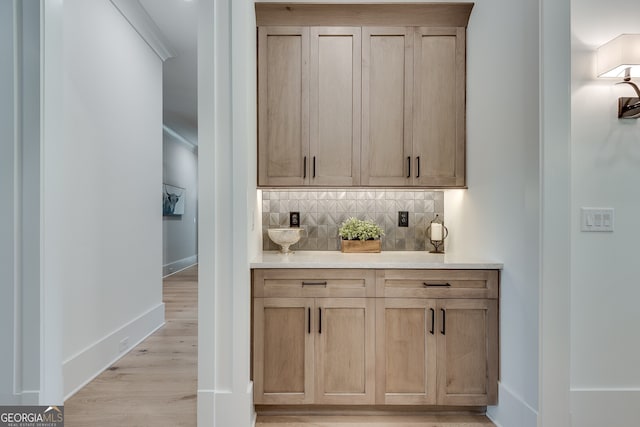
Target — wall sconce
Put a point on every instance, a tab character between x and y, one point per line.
621	58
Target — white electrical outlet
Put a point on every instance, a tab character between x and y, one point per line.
596	219
124	344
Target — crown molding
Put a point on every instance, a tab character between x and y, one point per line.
140	20
363	14
184	141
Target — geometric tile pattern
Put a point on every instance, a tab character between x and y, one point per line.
323	211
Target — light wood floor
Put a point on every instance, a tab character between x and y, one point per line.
375	421
155	384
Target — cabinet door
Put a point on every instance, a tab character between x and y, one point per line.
439	107
335	106
387	80
283	94
345	351
283	350
405	352
467	352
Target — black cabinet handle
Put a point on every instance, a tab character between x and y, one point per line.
443	331
320	320
314	284
309	323
418	162
433	321
436	285
409	167
304	167
314	166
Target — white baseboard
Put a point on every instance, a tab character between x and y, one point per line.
83	367
10	399
206	408
225	408
254	415
605	407
31	398
511	411
176	266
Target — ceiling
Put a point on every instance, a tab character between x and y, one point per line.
178	21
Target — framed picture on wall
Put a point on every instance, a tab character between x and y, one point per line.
173	200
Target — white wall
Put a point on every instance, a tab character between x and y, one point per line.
20	185
229	236
605	337
179	233
7	215
497	217
30	215
102	236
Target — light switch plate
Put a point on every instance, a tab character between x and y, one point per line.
597	219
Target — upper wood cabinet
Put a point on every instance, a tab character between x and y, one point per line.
283	105
439	107
387	79
334	107
309	106
369	95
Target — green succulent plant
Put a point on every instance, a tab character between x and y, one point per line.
356	229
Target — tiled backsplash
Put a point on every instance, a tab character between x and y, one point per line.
323	211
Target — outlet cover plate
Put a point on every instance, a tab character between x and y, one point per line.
294	219
403	218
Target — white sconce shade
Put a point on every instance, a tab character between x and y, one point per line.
618	55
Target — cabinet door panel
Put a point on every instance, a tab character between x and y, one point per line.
406	352
283	105
387	80
467	352
335	106
439	108
345	351
283	350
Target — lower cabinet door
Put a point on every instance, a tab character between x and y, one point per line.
405	351
467	351
345	351
283	350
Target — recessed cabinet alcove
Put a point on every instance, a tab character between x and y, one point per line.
385	337
358	95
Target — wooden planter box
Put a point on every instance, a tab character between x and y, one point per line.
366	246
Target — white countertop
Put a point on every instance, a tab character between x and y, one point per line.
382	260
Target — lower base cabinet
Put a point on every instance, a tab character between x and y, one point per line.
375	350
314	350
467	347
436	352
283	350
405	351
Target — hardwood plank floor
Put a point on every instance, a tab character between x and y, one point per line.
375	421
155	384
